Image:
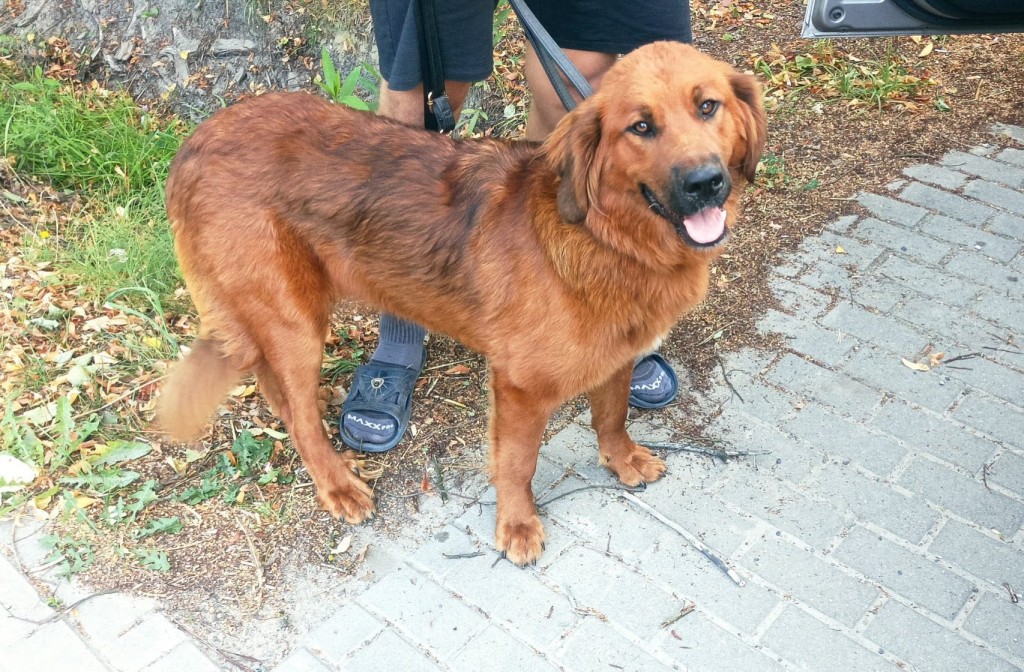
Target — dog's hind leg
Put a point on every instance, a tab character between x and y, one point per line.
518	418
609	406
271	389
290	371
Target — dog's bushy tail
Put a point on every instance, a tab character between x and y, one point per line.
194	389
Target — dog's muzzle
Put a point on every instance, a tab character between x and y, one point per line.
694	204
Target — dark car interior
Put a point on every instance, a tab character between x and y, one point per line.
838	18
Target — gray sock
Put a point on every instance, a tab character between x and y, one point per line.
401	342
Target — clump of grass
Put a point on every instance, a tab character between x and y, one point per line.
115	156
829	73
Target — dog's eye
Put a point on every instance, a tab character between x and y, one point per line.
642	128
708	108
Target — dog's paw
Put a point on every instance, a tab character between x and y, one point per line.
522	541
343	494
635	466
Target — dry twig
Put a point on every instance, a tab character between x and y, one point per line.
723	455
728	382
609	486
685	611
60	614
458	556
256	561
692	540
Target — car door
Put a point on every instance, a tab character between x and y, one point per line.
851	18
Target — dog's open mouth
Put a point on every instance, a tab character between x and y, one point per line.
704	228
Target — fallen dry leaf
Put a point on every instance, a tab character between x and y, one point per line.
97	323
343	545
916	366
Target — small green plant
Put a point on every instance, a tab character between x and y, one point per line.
211	485
67	437
157	309
343	360
71	554
248	461
48	439
499	27
345	91
470	120
771	171
169	525
153	559
118	511
19	440
102	481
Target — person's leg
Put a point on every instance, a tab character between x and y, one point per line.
546	108
375	414
599	37
593	33
407	106
401	342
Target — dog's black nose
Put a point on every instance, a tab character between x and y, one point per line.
704	182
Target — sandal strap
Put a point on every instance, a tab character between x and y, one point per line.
383	388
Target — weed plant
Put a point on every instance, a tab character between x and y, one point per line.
362	79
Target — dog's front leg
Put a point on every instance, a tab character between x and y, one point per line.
609	406
518	418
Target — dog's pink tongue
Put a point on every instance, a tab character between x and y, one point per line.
706	226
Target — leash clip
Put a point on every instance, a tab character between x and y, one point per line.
441	108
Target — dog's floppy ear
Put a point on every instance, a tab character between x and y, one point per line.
753	125
571	150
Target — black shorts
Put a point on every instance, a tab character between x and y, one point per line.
465	32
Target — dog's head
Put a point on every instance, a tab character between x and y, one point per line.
666	141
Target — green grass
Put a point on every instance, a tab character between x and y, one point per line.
828	73
112	253
115	156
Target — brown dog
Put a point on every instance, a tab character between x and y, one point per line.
560	262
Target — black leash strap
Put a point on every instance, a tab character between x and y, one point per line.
554	61
437	109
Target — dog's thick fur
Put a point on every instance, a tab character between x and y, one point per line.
560	262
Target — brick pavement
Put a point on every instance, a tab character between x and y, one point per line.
880	532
